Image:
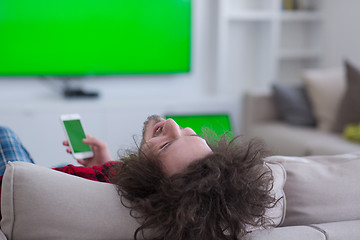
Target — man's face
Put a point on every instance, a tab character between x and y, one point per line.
174	146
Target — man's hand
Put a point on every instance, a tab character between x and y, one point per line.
100	149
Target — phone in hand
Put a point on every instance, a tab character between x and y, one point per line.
75	134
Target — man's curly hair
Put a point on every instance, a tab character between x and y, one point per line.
217	197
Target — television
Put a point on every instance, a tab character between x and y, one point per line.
94	37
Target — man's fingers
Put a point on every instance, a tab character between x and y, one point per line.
65	143
93	141
81	161
84	162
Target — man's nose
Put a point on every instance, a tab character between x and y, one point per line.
171	129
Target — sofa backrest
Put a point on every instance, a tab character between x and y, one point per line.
258	106
40	203
321	189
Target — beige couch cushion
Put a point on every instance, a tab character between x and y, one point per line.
348	230
345	230
349	107
40	203
325	89
287	233
321	189
287	140
277	214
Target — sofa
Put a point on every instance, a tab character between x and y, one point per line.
319	199
262	120
309	118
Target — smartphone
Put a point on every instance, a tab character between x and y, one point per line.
75	134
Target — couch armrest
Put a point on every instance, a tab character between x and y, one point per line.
348	230
258	106
40	203
288	233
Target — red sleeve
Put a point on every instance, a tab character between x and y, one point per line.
100	173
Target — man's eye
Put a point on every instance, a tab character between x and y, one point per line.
158	131
165	145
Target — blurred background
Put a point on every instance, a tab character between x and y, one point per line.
216	51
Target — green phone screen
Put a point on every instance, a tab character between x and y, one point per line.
76	135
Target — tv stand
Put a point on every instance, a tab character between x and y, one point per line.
77	92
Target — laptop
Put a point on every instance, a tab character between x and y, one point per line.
205	125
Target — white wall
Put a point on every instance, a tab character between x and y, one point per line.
32	106
341	31
341	39
178	85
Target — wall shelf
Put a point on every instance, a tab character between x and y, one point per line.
300	16
256	37
299	54
250	16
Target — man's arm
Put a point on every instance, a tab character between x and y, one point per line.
100	149
100	173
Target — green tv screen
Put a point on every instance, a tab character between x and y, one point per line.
204	124
94	37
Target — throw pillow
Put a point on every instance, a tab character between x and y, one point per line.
325	89
293	105
321	189
352	132
349	108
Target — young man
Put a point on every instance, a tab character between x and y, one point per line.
180	187
175	147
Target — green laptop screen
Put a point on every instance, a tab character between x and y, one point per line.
204	125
